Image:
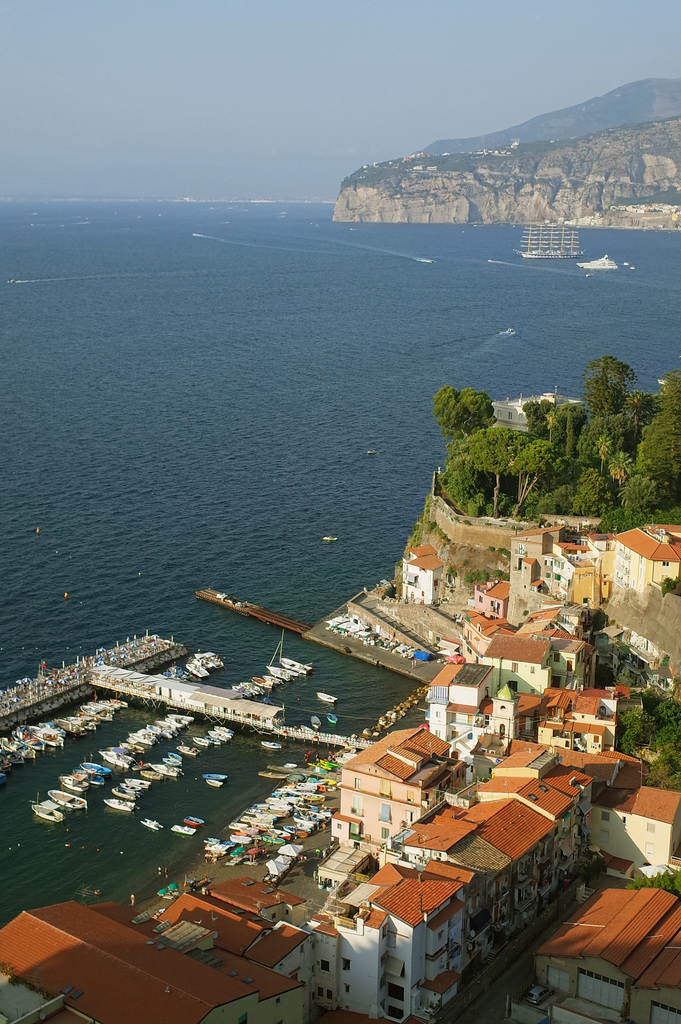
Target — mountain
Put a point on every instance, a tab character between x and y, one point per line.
536	181
653	99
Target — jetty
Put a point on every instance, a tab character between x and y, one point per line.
214	704
255	611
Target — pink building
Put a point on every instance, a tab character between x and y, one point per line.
392	783
491	599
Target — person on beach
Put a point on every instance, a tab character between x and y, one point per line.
132	899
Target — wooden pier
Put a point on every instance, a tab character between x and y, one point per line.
254	610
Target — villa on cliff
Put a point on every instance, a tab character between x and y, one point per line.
421	575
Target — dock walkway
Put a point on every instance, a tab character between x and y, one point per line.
256	611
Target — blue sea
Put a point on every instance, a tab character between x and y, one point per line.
189	393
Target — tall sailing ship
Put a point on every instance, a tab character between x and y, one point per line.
547	242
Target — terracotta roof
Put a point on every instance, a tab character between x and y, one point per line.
252	895
441	836
423	549
347	817
394	766
410	899
375	919
446	674
324	926
236	932
551	800
649	547
428	562
529	561
442	983
647	802
483	626
617	755
512	828
616	863
528	703
272	947
628	928
391	874
553	697
413	741
451	910
120	976
561	777
443	869
518	648
500	591
538	531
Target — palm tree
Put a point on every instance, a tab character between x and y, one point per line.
640	404
620	467
603	445
551	419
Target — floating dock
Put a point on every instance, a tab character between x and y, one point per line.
254	610
213	703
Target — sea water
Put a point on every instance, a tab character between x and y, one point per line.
189	395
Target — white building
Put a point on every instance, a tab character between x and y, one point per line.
456	712
390	947
510	413
421	575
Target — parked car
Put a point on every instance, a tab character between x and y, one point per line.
538	994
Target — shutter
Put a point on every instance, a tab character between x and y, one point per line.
559	980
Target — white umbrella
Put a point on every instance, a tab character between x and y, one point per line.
278	865
290	850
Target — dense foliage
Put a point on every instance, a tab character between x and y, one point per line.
657	731
616	456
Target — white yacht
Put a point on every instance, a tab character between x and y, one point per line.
604	263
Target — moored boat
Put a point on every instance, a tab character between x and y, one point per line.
120	805
193	822
67	801
48	810
327	697
152	824
183	830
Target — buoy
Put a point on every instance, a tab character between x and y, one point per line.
66	596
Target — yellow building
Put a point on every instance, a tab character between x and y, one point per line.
647	556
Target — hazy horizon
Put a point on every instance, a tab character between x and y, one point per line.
164	100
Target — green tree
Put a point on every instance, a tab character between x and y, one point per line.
603	449
639	494
620	467
641	406
607	382
460	413
570	438
660	448
534	461
536	414
593	494
492	451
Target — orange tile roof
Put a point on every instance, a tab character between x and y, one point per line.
410	899
649	547
483	626
544	796
375	919
428	562
423	549
442	869
528	703
500	590
272	947
417	740
627	928
445	675
616	863
236	932
252	895
453	908
324	926
422	741
513	828
391	874
648	802
442	983
120	976
441	836
518	648
394	766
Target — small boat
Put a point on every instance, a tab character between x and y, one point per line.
120	805
151	823
327	697
215	783
270	745
91	768
195	668
371	451
150	775
142	784
332	719
315	722
193	822
183	830
121	793
215	777
48	810
296	666
201	741
67	801
173	758
509	332
188	751
329	539
74	784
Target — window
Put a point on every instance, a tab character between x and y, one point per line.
357	806
660	1013
346	987
346	964
665	565
605	815
384	931
650	849
320	992
410	796
650	827
243	1019
394	1012
329	994
324	965
395	991
385	789
385	833
532	669
605	835
358	783
556	657
339	826
514	666
385	813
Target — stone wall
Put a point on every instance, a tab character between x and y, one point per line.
650	615
483	532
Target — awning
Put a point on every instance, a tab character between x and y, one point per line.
481	920
394	966
565	848
585	805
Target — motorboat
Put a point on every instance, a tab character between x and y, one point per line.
315	722
167	770
270	745
332	719
48	810
120	805
91	768
121	793
296	666
67	801
152	824
74	784
201	741
151	775
193	822
329	539
196	669
142	784
172	758
187	751
183	830
117	757
327	697
215	780
604	263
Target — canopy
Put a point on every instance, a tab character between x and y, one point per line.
278	865
422	655
290	850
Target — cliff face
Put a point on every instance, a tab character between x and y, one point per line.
547	181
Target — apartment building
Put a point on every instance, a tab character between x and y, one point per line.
640	826
570	566
491	599
647	556
585	720
421	575
392	782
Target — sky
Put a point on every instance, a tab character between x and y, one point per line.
283	98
